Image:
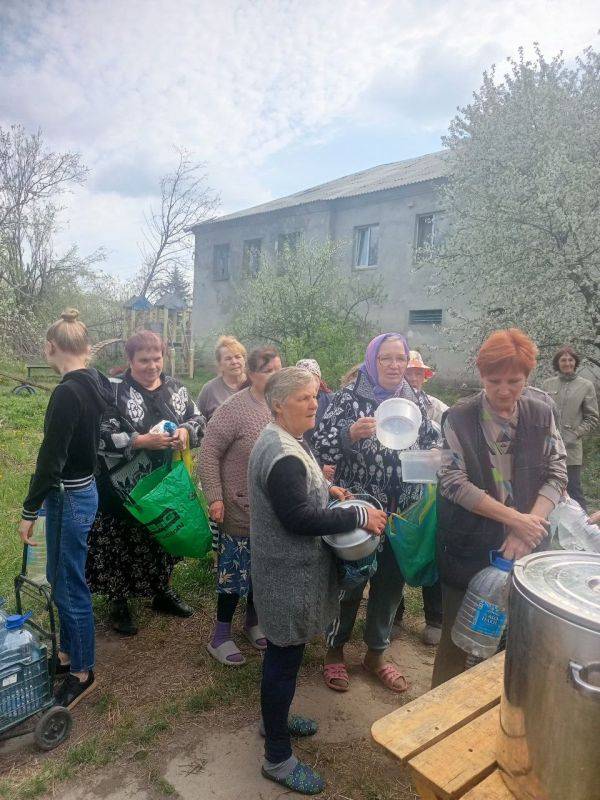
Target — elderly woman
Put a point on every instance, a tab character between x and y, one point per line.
230	358
223	472
577	405
293	571
324	393
505	475
417	374
346	438
124	560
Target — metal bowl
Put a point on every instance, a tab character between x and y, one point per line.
356	544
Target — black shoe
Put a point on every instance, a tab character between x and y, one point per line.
72	690
169	602
61	669
120	618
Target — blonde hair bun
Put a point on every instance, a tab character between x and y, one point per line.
69	315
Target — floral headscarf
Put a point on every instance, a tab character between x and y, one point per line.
369	366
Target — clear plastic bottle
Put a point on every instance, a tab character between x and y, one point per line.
482	616
570	523
37	556
18	647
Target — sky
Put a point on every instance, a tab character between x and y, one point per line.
273	95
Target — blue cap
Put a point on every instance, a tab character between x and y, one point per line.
170	427
16	621
496	560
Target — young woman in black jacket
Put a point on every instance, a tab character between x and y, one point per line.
67	456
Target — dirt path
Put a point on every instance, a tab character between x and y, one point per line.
219	758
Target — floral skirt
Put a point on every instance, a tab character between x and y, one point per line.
233	565
124	560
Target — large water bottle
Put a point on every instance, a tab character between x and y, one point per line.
570	524
18	647
482	616
37	555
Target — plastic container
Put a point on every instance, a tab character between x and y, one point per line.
398	423
164	426
354	545
482	617
37	556
19	648
570	524
420	466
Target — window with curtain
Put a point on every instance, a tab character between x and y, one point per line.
221	262
366	246
251	257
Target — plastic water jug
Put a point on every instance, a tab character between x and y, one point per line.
482	616
36	556
570	523
19	643
18	649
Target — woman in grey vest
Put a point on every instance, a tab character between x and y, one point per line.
293	571
505	474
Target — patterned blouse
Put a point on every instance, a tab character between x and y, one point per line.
499	433
366	466
138	409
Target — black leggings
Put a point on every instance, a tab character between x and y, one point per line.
278	686
227	604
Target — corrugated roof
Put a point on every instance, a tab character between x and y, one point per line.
376	179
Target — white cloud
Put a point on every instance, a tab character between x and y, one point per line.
240	81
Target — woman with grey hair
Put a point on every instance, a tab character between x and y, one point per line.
293	571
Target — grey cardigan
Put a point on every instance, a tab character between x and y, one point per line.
294	577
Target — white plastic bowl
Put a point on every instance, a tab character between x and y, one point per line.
420	466
398	423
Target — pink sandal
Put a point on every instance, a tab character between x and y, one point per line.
336	672
390	677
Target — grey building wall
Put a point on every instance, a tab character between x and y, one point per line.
396	211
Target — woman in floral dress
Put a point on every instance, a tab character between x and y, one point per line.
123	559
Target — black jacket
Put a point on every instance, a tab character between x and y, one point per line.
71	434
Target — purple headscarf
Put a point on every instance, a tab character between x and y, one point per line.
369	366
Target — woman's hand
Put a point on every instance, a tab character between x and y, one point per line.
179	440
338	493
26	532
153	441
376	521
531	529
216	511
363	428
514	548
594	518
328	471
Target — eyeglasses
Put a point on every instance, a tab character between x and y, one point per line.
387	361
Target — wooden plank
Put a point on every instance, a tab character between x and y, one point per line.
417	725
461	760
424	790
492	788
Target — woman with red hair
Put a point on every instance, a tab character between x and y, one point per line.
506	472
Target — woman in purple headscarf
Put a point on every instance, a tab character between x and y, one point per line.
346	437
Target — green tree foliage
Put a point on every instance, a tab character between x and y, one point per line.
522	206
309	307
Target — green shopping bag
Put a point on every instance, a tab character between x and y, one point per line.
175	513
412	537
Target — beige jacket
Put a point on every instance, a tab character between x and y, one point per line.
576	400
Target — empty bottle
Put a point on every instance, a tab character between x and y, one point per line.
37	555
570	523
482	616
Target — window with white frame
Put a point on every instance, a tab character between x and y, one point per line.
287	244
429	230
366	246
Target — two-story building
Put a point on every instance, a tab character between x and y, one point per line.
381	216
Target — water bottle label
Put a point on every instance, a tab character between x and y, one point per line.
10	680
489	619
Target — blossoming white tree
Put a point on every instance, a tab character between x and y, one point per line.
522	206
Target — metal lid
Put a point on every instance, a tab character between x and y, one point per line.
564	582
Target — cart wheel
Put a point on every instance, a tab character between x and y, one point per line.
23	389
53	727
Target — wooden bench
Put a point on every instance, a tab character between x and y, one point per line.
32	367
447	737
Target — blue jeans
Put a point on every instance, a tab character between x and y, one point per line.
65	570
